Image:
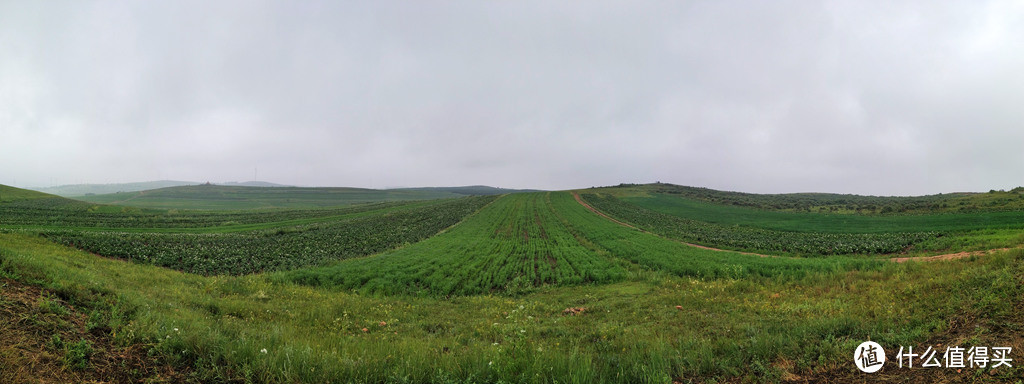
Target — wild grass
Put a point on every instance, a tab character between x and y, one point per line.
631	331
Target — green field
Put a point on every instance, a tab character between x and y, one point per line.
526	287
959	202
220	197
826	222
11	194
231	197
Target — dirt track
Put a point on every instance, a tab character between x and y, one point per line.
948	256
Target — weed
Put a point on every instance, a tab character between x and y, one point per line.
76	355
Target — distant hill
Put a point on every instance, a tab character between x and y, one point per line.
78	190
74	190
241	197
8	193
471	190
253	184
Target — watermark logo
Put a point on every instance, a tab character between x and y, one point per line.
869	357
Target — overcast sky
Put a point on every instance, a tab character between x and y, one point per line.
855	97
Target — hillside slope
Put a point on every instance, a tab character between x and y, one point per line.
8	193
75	190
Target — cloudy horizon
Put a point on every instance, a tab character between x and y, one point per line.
876	98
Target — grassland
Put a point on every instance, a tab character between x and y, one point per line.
485	300
9	194
754	328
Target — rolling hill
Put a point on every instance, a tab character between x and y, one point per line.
8	193
75	190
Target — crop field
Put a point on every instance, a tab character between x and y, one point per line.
516	243
960	202
729	215
756	239
60	213
236	197
517	288
285	247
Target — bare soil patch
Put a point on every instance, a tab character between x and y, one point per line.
38	329
949	256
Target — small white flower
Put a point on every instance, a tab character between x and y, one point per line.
490	363
522	331
520	307
263	351
495	344
175	329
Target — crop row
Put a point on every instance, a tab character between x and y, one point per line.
60	212
755	239
513	245
680	259
275	249
523	241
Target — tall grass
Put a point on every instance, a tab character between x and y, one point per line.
630	332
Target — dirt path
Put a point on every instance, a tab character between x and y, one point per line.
599	213
948	256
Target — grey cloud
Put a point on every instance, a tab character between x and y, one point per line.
861	97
